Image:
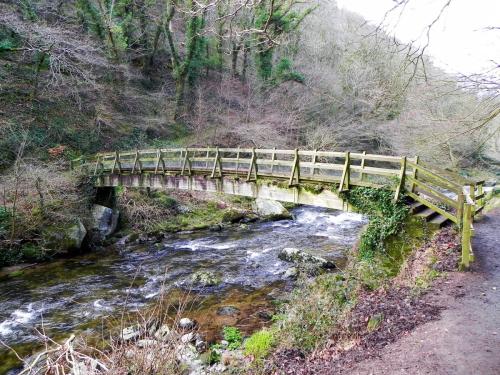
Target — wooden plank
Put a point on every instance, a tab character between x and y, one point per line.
375	170
237	160
273	159
253	167
414	175
433	206
344	180
186	163
435	193
391	159
217	165
275	151
326	154
362	167
319	166
401	183
295	174
466	236
314	159
453	186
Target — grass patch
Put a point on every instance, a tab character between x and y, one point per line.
259	345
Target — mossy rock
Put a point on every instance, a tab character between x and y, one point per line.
233	216
65	239
205	279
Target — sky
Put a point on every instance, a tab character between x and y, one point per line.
459	41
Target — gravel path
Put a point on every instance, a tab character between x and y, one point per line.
466	339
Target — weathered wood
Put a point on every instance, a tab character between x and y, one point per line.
217	165
186	163
136	161
252	167
414	174
424	183
238	160
295	174
362	167
432	191
432	206
314	159
273	158
453	186
401	183
158	158
97	163
466	235
344	180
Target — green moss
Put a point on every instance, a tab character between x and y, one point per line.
375	322
387	218
203	215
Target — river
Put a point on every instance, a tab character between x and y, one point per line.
76	294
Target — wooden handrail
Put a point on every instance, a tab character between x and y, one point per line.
426	184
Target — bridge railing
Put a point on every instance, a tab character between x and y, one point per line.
450	195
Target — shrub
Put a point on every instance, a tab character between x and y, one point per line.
233	336
314	309
386	217
259	344
4	221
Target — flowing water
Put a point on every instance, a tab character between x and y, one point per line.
75	294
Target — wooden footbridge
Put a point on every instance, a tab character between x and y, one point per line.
298	176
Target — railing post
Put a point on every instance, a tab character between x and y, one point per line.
253	166
346	173
217	163
472	193
273	158
466	235
186	163
361	173
295	169
207	156
460	209
414	175
314	160
401	183
238	161
97	163
480	192
157	164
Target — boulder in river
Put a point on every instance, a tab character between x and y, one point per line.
227	311
270	209
163	333
104	220
301	257
186	323
131	333
205	279
291	273
65	239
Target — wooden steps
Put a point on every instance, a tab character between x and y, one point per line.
429	215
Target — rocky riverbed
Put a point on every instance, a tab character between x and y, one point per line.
232	277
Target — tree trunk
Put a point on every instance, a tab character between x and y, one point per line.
246	51
234	58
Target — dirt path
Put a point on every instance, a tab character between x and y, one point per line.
466	339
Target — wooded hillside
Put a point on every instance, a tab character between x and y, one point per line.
91	75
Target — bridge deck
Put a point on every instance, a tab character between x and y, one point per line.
238	171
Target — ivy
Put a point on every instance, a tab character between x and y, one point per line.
386	217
